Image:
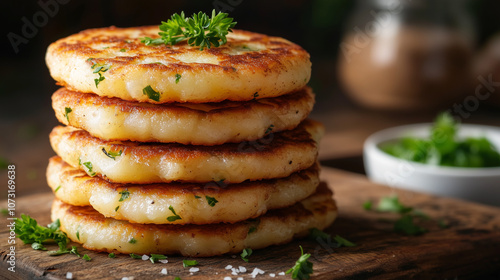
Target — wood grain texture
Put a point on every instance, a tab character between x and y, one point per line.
468	249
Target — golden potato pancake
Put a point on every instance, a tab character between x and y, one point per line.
196	203
95	232
186	123
276	155
113	62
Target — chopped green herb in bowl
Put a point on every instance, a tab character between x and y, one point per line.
442	158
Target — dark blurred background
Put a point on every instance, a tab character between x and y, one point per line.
320	26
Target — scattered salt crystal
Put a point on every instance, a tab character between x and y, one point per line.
163	261
272	275
69	275
281	273
228	278
145	257
164	271
239	278
194	269
256	271
229	266
125	278
242	269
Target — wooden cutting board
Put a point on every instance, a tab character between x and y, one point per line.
468	248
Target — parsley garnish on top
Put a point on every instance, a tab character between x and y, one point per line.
302	268
199	30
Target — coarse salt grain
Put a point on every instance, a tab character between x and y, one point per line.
242	269
164	271
281	273
272	275
194	269
256	271
163	261
228	278
145	257
69	275
239	278
229	266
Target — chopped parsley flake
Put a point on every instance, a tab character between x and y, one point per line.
155	257
247	252
195	196
86	257
117	207
343	242
255	95
175	217
123	50
88	164
78	234
38	246
151	93
67	110
177	78
188	263
112	154
211	200
406	223
134	256
74	251
111	255
132	241
98	69
124	195
98	80
269	129
302	268
58	187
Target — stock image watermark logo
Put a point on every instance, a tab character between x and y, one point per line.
31	25
471	103
11	220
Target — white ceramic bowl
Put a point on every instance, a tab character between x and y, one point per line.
474	184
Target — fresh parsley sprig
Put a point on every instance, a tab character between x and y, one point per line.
28	230
199	30
302	268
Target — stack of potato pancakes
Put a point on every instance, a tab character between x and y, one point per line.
177	150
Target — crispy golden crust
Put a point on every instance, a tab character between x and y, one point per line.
275	227
186	123
249	63
276	155
150	203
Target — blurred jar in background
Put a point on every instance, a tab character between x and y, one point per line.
487	71
407	54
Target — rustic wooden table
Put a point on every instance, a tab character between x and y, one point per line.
468	249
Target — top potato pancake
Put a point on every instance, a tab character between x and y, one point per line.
249	66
